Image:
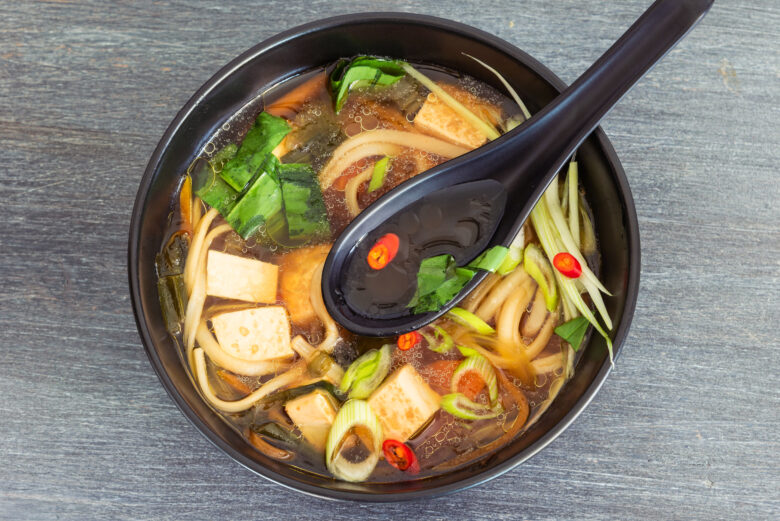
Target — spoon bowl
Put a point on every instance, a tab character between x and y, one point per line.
516	167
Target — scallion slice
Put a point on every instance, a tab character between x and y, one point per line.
440	341
482	367
461	407
538	267
470	320
353	415
378	174
367	372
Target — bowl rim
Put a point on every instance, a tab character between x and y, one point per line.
467	31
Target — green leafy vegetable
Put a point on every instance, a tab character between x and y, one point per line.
363	71
284	198
266	133
439	279
223	155
378	175
573	331
259	205
211	188
304	208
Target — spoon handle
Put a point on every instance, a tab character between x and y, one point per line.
549	138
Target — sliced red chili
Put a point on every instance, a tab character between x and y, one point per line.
383	251
409	340
567	265
400	456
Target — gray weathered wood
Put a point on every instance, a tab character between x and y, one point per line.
686	427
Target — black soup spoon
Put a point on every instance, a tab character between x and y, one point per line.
482	198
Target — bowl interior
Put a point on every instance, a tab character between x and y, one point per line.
419	39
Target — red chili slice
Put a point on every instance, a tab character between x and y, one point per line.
383	251
400	456
568	266
409	340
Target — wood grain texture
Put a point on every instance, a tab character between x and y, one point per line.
685	428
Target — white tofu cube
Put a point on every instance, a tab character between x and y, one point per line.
404	403
230	276
313	414
254	334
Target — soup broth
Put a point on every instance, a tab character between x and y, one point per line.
239	281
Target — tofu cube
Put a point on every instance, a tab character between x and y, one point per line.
403	403
297	270
313	414
437	119
230	276
254	334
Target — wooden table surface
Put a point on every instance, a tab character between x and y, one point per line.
685	427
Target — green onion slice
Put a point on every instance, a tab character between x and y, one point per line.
538	267
353	415
490	260
470	320
367	372
440	341
461	407
378	175
482	367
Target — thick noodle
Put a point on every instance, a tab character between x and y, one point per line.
384	142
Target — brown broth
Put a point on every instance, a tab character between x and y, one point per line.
444	438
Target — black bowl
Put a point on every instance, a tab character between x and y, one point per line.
420	39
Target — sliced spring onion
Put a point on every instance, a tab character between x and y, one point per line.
545	230
561	227
490	260
556	223
470	320
482	367
573	331
515	254
378	174
461	407
352	415
538	267
367	372
467	351
440	341
588	238
475	121
572	186
506	84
